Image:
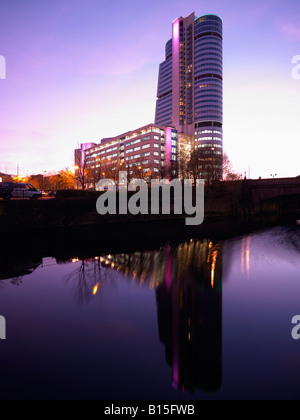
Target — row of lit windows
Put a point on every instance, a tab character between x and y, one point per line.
208	132
218	87
131	143
134	157
148	154
136	149
210	82
209	152
211	145
138	134
207	139
149	130
146	170
110	144
91	157
132	165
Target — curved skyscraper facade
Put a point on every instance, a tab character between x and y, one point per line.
164	90
190	87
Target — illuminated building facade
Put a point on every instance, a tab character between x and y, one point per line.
190	85
147	152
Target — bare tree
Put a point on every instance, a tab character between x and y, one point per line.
82	175
183	159
206	164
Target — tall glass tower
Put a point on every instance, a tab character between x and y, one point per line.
190	86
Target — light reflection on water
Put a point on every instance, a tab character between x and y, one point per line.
185	278
220	317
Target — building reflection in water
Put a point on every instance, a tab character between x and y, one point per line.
190	316
187	279
245	255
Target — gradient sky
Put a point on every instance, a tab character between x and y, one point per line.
81	70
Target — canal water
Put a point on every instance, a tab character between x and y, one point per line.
197	319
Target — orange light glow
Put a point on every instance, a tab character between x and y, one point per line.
212	258
96	288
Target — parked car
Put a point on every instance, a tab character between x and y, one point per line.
10	190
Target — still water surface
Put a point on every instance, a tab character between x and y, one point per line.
194	320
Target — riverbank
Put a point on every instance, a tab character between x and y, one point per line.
86	241
77	209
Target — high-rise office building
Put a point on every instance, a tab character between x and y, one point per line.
190	87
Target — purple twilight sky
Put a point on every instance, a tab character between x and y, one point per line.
81	70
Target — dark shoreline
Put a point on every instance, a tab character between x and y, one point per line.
94	240
69	226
